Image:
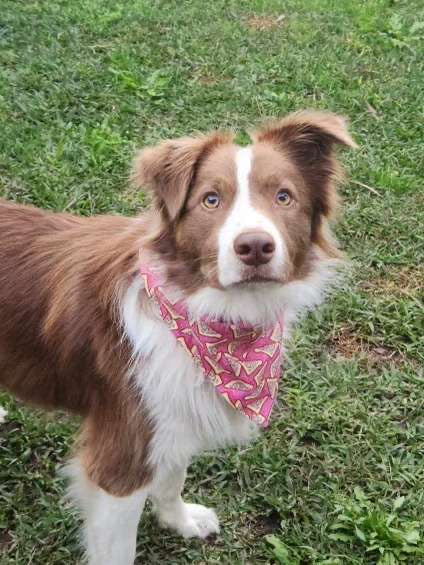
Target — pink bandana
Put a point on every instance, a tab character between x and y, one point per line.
242	362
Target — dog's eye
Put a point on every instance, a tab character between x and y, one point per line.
283	197
211	200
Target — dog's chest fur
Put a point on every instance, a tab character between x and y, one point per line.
187	414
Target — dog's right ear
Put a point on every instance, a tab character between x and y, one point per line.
169	169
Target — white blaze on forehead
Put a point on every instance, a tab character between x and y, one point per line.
244	217
243	166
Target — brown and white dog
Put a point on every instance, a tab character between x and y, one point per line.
239	233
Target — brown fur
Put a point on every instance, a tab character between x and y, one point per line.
60	341
171	172
308	139
170	168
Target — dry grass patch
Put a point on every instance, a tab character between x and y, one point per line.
347	345
265	23
207	80
397	281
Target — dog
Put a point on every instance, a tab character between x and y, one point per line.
164	332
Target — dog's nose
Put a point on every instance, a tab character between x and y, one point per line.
254	248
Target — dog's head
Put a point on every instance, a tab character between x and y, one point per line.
232	216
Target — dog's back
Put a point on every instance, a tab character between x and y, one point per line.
48	329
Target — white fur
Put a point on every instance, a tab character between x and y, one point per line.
262	303
187	414
244	217
110	522
3	414
189	520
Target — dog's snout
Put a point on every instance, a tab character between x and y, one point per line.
254	248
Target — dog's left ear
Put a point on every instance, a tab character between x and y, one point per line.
308	135
169	169
309	138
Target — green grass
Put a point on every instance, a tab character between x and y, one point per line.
338	478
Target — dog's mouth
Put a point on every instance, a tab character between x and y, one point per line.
256	279
256	275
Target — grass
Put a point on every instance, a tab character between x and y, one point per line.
338	478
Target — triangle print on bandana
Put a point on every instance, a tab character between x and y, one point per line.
243	362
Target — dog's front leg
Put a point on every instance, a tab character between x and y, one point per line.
189	520
110	522
111	528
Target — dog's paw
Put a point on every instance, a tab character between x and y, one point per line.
194	521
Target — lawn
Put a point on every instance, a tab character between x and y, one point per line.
338	478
